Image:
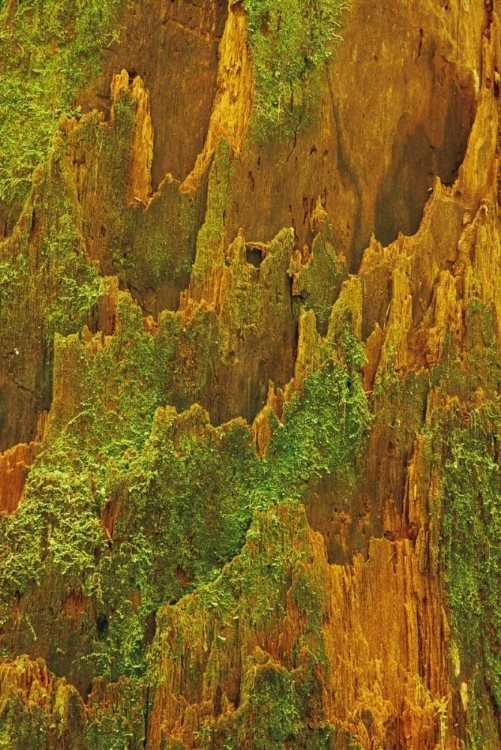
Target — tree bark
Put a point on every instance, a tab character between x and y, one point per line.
250	375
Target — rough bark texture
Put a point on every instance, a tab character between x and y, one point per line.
250	375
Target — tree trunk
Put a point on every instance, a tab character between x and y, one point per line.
250	375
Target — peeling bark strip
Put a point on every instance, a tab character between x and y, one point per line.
250	376
142	139
232	108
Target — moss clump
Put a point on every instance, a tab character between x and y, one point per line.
323	430
211	235
318	282
471	498
182	479
23	726
38	710
149	251
278	703
116	716
49	49
46	267
465	440
290	39
50	286
181	492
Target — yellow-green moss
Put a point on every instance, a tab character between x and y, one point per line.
290	40
169	477
49	49
278	705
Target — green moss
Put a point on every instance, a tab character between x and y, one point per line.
49	49
11	277
148	250
51	286
290	42
45	261
280	705
168	743
454	373
183	492
285	722
471	492
40	715
465	441
323	433
36	714
162	240
318	283
103	190
182	480
23	726
76	285
117	720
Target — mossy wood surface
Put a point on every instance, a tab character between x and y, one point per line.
250	375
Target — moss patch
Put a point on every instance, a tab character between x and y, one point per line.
290	40
180	492
276	704
49	49
466	437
